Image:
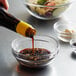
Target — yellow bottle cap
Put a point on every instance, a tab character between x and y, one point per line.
22	28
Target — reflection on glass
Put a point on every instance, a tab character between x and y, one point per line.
73	45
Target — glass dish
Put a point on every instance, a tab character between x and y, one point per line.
64	30
46	9
73	45
45	43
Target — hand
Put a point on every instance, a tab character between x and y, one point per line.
4	4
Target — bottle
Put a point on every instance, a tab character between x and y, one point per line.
9	21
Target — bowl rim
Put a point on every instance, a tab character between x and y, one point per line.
67	23
54	52
61	5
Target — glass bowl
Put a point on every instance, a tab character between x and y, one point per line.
46	9
64	30
73	45
45	49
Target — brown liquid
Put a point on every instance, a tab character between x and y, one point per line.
33	45
34	53
37	55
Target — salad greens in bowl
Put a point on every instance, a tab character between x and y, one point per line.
46	9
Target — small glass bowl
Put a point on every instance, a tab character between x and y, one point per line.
64	30
47	10
43	42
73	46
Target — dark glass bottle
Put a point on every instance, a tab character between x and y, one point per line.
14	24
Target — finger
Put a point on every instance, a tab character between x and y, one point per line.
5	4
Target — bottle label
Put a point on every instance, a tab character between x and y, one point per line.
22	27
